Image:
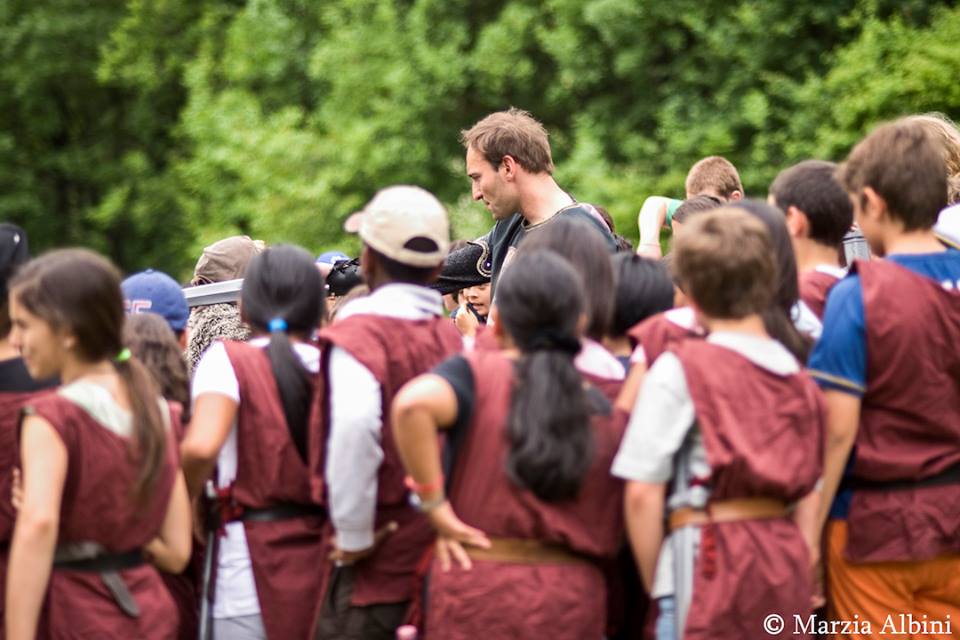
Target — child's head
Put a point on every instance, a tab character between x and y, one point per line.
151	339
541	296
643	288
897	180
582	245
690	208
726	264
478	297
714	176
815	204
66	306
283	283
406	236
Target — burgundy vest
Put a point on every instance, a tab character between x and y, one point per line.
814	287
764	437
657	334
98	506
909	418
394	351
284	554
483	496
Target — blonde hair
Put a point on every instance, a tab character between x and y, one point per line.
946	132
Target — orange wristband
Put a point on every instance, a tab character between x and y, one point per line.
420	489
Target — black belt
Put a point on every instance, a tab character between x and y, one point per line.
950	475
280	512
102	562
86	557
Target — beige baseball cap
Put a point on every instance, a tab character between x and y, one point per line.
404	223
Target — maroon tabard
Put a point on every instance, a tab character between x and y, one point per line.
763	434
394	351
501	600
814	287
910	417
657	334
285	554
98	506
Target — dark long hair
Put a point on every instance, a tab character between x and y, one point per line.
283	284
584	247
79	290
643	287
152	341
778	318
540	299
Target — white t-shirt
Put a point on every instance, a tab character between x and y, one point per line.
236	593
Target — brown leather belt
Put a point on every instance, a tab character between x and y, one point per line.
525	551
728	511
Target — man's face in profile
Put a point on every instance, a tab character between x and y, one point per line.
489	187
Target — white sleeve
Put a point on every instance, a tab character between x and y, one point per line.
215	374
354	452
658	425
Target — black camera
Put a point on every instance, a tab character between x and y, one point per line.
344	276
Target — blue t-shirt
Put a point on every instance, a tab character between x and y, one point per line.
839	358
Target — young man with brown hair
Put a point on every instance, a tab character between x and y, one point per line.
889	361
711	176
819	215
735	427
510	167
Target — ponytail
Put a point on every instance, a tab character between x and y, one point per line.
549	430
282	295
149	431
549	427
293	382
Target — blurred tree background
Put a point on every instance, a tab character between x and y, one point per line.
149	128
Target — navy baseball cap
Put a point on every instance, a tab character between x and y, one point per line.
156	292
332	257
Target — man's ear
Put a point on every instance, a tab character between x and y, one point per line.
736	195
508	168
797	223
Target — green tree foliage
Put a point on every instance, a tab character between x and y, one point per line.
149	128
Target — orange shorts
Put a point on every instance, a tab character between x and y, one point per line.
919	599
